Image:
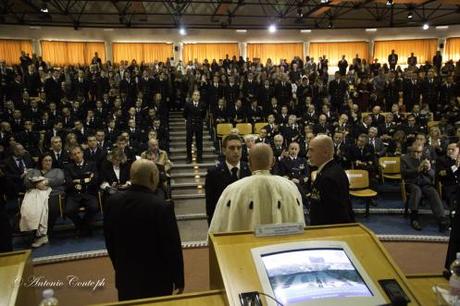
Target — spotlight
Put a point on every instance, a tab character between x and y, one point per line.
272	28
389	2
182	31
44	8
324	1
426	26
410	15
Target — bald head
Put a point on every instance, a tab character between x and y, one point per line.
261	157
321	150
144	172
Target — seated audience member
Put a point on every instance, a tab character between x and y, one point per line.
114	173
258	199
82	185
145	265
419	177
70	142
376	143
122	143
362	154
162	156
16	167
397	145
249	142
6	233
341	150
93	153
292	132
163	189
271	128
60	156
40	207
447	168
330	201
263	137
226	172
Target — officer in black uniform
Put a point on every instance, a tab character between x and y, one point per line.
194	113
82	184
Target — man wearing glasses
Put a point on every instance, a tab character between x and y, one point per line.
419	177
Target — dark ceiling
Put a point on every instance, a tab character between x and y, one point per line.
233	14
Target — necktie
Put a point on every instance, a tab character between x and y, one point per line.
58	156
21	165
234	174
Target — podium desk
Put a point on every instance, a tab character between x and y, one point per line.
14	267
232	268
423	286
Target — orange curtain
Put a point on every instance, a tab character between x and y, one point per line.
142	52
424	49
203	51
62	53
275	51
453	49
10	50
335	50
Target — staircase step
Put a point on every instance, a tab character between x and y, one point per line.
193	230
182	132
191	217
190	206
190	179
193	189
193	166
188	175
183	138
188	196
183	157
191	184
181	143
183	149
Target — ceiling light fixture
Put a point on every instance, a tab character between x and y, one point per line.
241	31
371	30
44	8
442	27
305	31
324	1
410	15
425	26
389	2
182	31
272	28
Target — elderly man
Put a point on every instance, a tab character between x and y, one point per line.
330	201
258	199
161	155
419	177
448	173
145	265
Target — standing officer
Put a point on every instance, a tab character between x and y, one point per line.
330	201
194	114
225	173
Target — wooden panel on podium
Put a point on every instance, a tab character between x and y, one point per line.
423	286
214	298
232	267
14	267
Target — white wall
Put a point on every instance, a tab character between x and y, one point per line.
196	35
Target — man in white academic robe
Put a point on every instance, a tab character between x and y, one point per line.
258	199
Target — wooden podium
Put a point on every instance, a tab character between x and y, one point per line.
15	266
232	270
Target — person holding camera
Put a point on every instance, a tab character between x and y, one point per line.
114	173
419	176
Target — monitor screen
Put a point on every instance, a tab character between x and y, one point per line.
310	274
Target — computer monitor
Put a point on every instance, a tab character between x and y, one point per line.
314	273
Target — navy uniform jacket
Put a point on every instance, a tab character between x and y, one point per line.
328	207
194	115
217	179
294	169
143	243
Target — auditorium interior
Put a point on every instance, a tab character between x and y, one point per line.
89	88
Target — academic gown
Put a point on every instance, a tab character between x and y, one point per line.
258	199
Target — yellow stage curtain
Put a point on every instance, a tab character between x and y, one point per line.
424	49
209	51
62	53
10	50
141	52
453	49
275	51
335	50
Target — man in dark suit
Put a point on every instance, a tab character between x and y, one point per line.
16	168
60	156
82	185
447	170
338	90
53	88
145	266
419	177
194	113
393	60
412	60
328	207
224	173
93	153
437	61
343	65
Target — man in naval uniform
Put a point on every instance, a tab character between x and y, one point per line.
194	113
330	201
258	199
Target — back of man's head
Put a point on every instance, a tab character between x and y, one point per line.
261	157
145	173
